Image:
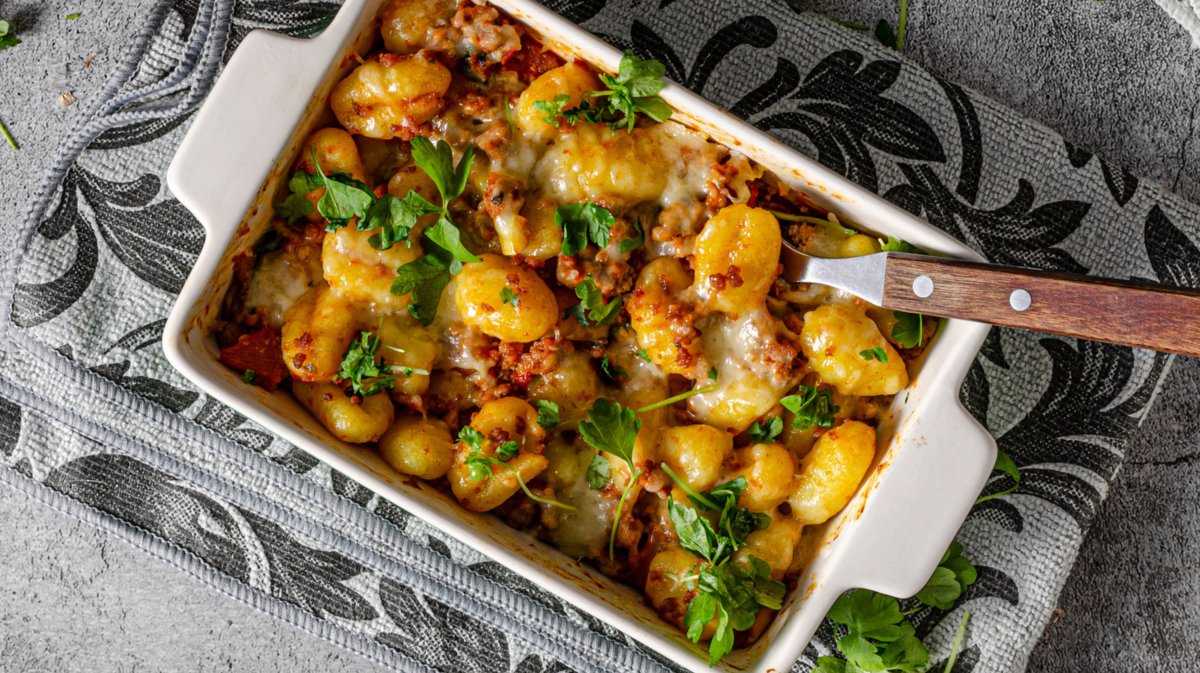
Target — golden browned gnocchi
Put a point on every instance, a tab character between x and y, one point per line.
391	97
831	472
840	342
568	315
737	259
504	300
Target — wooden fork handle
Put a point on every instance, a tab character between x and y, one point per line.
1120	312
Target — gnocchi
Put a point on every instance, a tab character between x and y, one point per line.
836	339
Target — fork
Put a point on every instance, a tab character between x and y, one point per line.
1128	313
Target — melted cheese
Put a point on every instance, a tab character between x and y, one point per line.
748	385
278	281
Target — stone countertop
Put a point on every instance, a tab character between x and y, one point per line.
1118	78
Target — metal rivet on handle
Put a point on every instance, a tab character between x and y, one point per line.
1020	300
922	286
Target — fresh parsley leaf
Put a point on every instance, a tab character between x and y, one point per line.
700	611
949	580
712	374
581	223
860	652
909	330
832	665
612	428
72	16
634	90
599	472
296	205
812	408
548	414
592	309
344	199
893	244
7	37
906	653
695	533
764	432
722	641
1004	464
448	237
869	614
249	376
643	355
508	450
394	218
612	371
876	353
479	464
637	240
551	110
437	160
425	277
507	296
361	368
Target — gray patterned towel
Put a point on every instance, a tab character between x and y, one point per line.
94	422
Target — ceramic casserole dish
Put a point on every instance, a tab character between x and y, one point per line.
890	537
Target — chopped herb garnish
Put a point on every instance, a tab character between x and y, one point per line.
361	368
507	296
426	277
727	590
641	353
636	241
592	310
297	206
548	414
583	223
812	408
877	353
72	16
345	198
249	376
612	371
634	90
612	427
479	464
763	432
712	374
599	472
909	330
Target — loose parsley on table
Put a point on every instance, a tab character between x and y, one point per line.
873	634
812	408
8	39
634	90
1004	464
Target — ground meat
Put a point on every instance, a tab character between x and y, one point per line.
717	189
519	366
532	61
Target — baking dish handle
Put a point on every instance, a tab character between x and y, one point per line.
906	525
246	123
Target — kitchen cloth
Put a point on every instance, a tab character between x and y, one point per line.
1187	14
94	422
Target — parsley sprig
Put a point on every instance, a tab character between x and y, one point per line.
812	407
612	427
874	635
1006	465
479	464
8	38
445	253
726	590
877	353
592	310
362	369
583	223
766	430
634	90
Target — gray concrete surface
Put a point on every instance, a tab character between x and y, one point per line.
1116	77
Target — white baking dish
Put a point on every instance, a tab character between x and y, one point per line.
890	537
